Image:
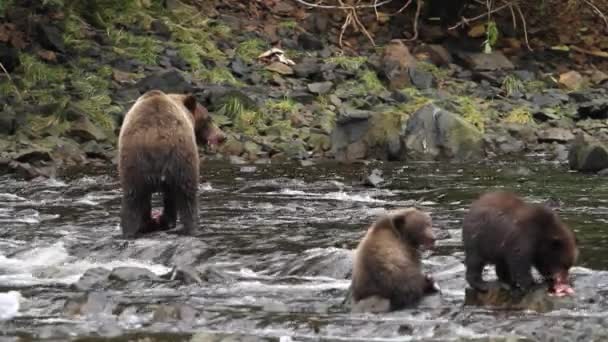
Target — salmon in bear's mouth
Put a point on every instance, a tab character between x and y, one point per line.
156	215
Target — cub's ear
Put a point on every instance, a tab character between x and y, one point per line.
190	102
399	219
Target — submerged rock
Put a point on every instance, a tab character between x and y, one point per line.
498	296
587	154
433	133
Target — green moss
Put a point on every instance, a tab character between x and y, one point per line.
34	71
250	49
280	109
439	73
281	129
416	100
47	125
218	75
191	53
468	108
249	122
143	48
288	24
512	85
348	63
371	83
385	124
99	108
519	115
232	108
535	86
196	39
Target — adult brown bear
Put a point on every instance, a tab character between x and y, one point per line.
503	230
158	152
387	262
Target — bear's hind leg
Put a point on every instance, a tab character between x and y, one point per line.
169	217
187	203
135	213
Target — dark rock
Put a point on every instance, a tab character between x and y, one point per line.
399	96
9	57
129	274
498	296
27	171
487	61
32	155
51	38
93	278
174	312
432	132
348	114
320	88
160	28
307	69
555	134
295	149
302	97
91	303
438	54
66	151
421	79
374	179
309	42
239	67
587	154
549	99
172	81
92	149
85	130
524	75
8	121
594	109
396	63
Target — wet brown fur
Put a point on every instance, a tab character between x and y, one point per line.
503	230
158	152
387	261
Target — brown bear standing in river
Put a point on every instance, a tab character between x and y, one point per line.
158	152
503	230
387	262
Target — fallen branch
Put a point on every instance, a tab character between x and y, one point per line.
595	53
597	11
466	21
342	6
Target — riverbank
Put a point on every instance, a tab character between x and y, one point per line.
73	76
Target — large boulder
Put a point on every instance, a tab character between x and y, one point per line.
433	133
587	154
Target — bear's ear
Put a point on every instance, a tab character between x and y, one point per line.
190	102
399	221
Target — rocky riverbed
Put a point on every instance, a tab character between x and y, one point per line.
72	78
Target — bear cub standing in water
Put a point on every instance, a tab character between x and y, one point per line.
157	148
387	262
503	230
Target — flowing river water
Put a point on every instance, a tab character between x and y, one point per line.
274	257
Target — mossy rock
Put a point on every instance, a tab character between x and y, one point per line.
319	142
586	154
500	297
433	133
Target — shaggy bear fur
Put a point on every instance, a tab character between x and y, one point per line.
158	152
387	261
503	230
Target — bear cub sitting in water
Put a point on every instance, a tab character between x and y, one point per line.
387	262
503	230
157	148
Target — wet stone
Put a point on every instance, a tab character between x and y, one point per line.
129	274
92	303
92	279
174	312
498	296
